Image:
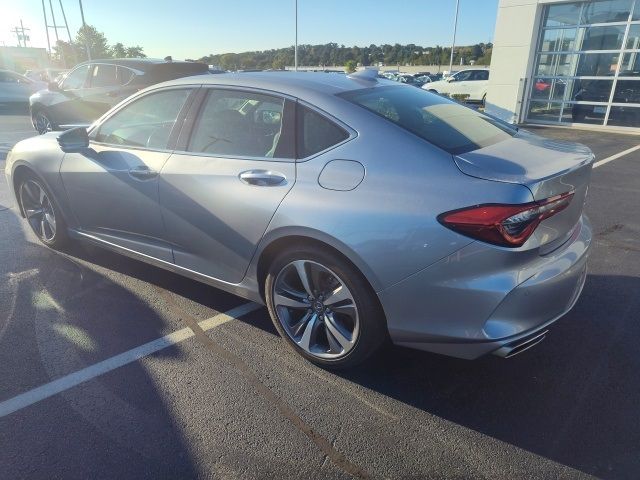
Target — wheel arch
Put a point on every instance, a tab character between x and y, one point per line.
277	241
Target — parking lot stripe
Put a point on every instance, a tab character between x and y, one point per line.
617	155
76	378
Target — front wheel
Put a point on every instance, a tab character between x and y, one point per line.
42	123
324	308
42	213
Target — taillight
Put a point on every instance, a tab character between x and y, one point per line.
504	225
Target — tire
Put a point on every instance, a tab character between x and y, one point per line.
42	212
336	322
433	91
42	122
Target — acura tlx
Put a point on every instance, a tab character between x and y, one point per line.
359	210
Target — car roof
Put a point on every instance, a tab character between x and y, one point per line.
138	63
292	83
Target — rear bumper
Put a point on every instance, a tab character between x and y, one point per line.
482	299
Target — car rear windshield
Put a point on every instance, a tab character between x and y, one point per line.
438	120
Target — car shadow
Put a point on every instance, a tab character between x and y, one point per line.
58	316
573	398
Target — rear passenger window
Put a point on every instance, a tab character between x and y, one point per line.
316	133
103	76
242	124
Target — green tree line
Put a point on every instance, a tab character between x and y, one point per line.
332	54
68	54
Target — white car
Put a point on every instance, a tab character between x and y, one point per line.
15	88
466	82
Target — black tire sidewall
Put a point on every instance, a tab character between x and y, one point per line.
373	330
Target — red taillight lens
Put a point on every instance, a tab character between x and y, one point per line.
504	225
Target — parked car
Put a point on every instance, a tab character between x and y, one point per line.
278	187
473	82
92	88
46	74
16	88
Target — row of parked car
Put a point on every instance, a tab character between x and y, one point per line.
471	84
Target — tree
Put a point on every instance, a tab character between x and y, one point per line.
88	36
350	66
135	52
118	50
64	53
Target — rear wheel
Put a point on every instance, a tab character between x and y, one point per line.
41	122
324	307
42	213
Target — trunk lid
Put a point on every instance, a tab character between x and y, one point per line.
546	167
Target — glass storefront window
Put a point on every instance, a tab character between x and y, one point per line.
624	117
633	40
564	14
630	65
627	91
557	65
600	48
544	111
550	88
581	113
601	38
606	11
558	39
598	64
587	90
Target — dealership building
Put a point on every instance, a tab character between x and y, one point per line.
567	63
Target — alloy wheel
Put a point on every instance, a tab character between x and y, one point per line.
316	309
42	123
38	210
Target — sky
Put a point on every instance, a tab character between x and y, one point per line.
195	28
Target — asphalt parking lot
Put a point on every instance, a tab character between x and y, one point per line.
87	391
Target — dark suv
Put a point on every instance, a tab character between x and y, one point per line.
92	88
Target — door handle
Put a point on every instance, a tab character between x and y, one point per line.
262	178
143	173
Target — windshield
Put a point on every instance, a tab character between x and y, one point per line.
438	120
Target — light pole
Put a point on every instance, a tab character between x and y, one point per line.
453	42
295	50
84	25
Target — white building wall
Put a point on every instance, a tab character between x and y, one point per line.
513	56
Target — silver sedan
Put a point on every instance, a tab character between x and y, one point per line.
357	209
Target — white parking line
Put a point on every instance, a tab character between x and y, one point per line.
76	378
617	155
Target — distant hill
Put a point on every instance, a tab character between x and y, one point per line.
332	54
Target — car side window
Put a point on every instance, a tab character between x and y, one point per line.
146	122
481	75
124	75
464	76
103	76
243	124
316	132
76	79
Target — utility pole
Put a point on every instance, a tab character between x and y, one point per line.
65	20
46	26
20	35
295	52
53	17
453	43
86	45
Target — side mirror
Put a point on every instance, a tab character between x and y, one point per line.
451	79
74	140
53	86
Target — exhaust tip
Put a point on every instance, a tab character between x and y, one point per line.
518	346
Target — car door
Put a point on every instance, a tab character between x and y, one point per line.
478	84
219	194
460	83
113	186
67	107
